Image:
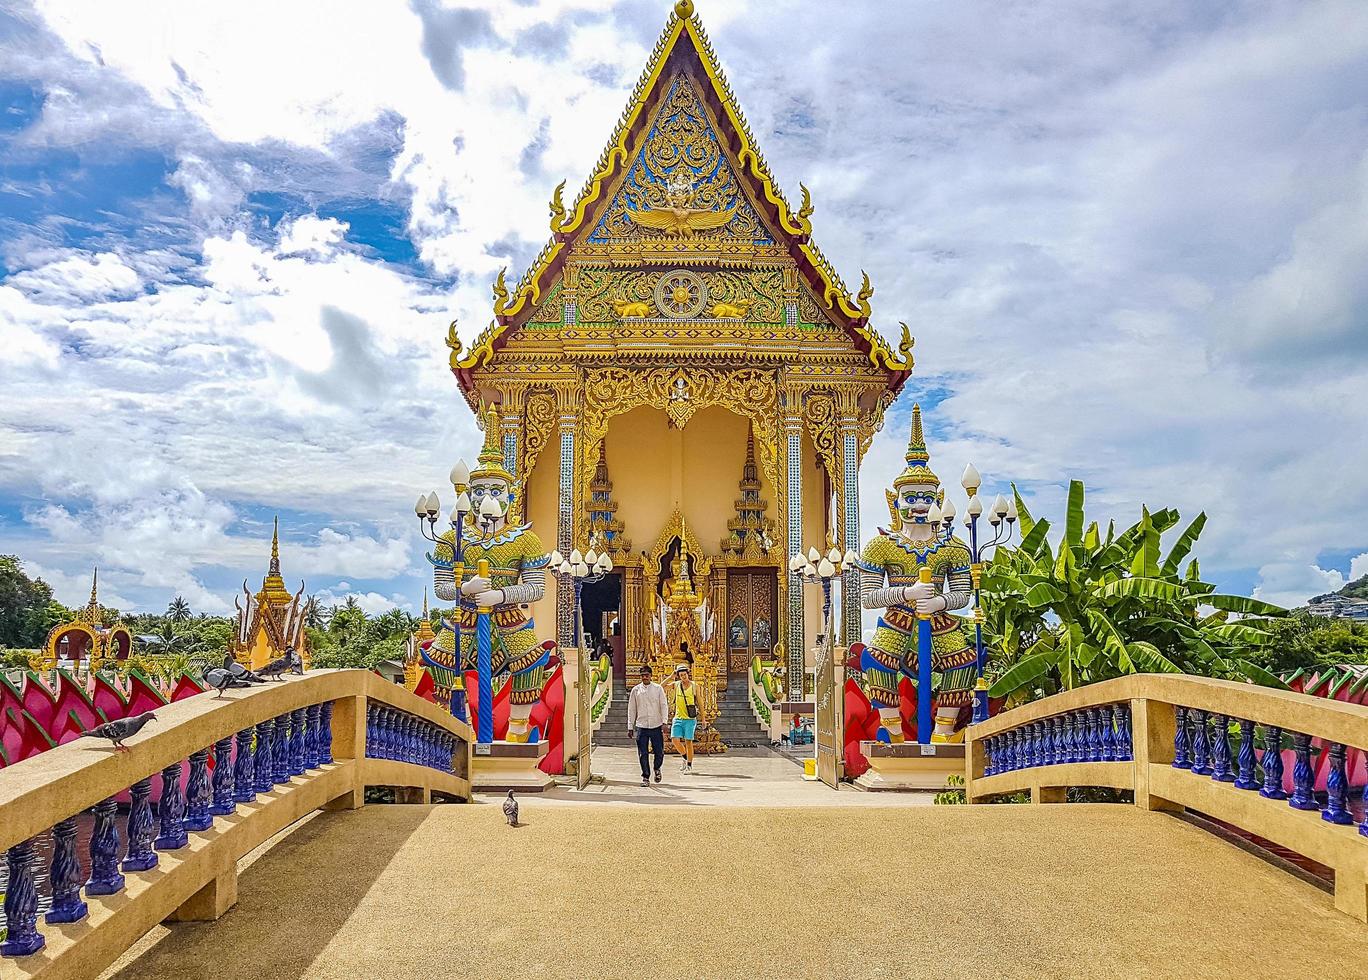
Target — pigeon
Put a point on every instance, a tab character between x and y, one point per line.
510	809
120	729
296	661
240	672
279	665
220	680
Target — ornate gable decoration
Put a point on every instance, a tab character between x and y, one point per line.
681	221
681	183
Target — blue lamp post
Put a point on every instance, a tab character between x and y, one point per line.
1003	519
429	507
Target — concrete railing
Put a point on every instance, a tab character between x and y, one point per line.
1234	752
279	751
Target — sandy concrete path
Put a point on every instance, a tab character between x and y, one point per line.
624	890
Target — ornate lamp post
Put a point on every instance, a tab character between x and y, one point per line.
1003	518
816	568
582	569
428	508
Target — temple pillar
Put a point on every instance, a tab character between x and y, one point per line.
795	640
633	621
510	428
568	404
852	610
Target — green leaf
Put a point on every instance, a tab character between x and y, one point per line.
1023	515
1183	546
1044	594
1073	524
1260	676
1240	633
1025	671
1243	604
1091	538
1143	588
1032	539
1147	658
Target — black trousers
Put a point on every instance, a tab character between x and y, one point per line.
650	740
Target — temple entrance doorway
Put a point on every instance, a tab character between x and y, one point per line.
601	602
750	624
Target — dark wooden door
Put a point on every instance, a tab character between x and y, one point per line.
750	623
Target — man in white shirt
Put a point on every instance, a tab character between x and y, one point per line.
647	716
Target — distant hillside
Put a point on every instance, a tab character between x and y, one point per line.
1357	589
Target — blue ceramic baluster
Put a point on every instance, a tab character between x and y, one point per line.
1008	751
140	855
21	903
170	809
223	778
411	739
1302	798
1094	735
1180	739
1046	743
1078	749
197	815
1123	728
1248	778
1337	788
297	719
1060	755
1220	750
1109	753
280	750
67	905
372	731
1032	746
325	756
1200	743
989	754
314	747
104	851
265	765
1273	764
244	769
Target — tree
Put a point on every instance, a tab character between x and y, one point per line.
22	603
1097	607
178	611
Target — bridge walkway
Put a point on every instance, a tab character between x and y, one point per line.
858	891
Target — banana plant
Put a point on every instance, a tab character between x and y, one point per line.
1097	605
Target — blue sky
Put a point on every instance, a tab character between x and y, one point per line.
1129	238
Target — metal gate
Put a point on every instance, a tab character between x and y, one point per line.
828	742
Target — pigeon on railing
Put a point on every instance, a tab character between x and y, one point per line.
240	672
510	809
289	661
120	729
221	679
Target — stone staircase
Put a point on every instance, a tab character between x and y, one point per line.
735	723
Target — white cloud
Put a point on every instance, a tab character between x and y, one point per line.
78	278
1130	250
371	603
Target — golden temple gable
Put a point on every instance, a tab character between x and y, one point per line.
681	319
271	620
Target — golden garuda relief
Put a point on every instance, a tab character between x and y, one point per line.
677	216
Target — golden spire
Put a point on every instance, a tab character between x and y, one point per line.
273	586
491	458
424	631
918	468
92	610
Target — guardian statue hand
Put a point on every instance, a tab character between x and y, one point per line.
919	593
474	585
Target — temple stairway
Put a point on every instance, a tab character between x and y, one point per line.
735	722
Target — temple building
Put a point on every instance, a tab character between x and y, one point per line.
682	369
87	637
271	620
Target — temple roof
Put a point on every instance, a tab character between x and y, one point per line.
760	210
